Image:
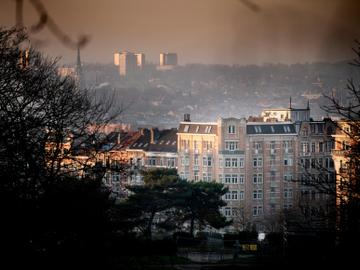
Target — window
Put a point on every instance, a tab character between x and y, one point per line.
305	132
234	179
197	129
241	162
241	195
196	175
186	128
231	129
272	145
221	164
207	177
152	161
257	194
272	175
288	162
231	145
272	192
231	195
257	146
304	147
272	161
184	144
207	145
196	160
288	193
321	147
257	162
288	177
257	210
234	162
115	177
320	162
227	162
241	179
287	129
257	178
257	129
208	129
287	145
313	163
207	161
185	161
312	147
227	178
227	211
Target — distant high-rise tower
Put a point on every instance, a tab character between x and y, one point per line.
168	61
140	59
129	62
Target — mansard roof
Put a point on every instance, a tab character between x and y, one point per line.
270	128
198	128
163	141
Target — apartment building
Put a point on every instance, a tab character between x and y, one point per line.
154	148
128	153
271	166
316	173
265	165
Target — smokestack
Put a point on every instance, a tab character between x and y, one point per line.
187	117
154	134
118	139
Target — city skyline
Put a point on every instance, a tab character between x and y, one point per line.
208	32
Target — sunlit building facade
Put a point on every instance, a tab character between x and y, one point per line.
265	166
129	62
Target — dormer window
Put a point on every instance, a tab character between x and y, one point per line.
208	129
257	129
287	129
197	129
186	128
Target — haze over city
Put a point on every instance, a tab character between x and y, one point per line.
179	134
202	31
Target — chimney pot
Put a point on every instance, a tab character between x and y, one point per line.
187	117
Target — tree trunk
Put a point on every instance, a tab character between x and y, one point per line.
192	221
148	232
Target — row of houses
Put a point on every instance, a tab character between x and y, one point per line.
282	163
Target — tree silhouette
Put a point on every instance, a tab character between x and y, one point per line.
44	118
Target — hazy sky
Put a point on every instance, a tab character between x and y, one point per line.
201	31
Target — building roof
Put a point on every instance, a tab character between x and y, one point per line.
198	128
163	141
270	128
